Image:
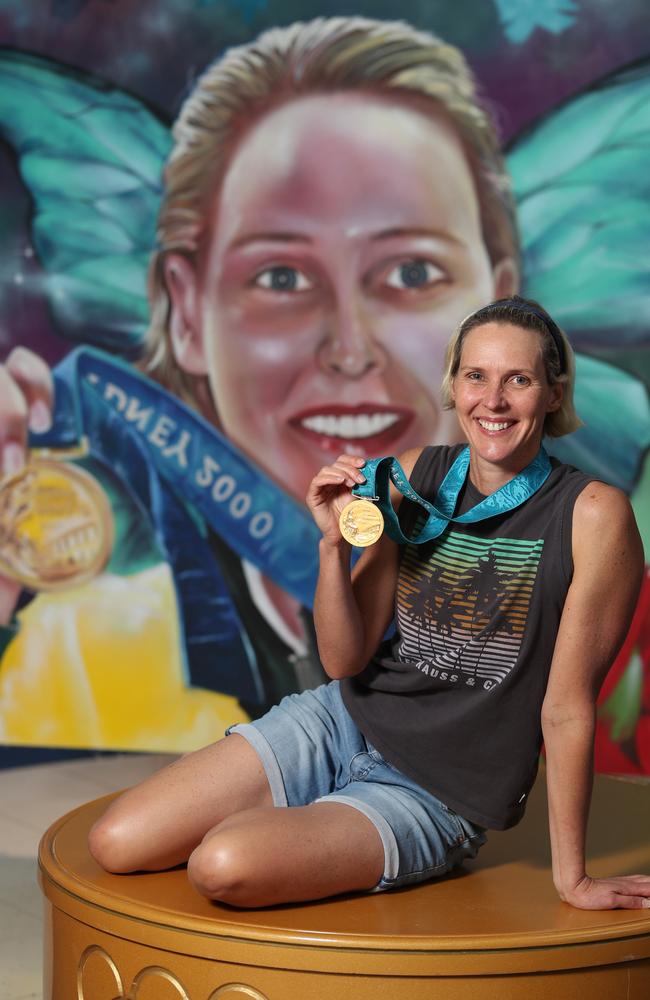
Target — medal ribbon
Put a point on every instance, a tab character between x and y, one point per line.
244	506
380	472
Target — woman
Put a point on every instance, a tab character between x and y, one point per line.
506	626
335	202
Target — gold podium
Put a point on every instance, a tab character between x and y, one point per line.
495	931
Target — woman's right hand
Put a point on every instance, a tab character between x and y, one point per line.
330	491
26	399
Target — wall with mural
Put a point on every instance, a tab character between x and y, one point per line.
187	348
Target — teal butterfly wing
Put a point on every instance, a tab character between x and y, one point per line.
91	157
582	185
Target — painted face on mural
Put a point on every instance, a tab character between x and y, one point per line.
346	245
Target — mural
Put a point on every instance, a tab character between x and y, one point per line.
219	308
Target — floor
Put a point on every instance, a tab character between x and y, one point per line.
30	799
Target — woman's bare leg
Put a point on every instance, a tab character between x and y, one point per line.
158	823
265	856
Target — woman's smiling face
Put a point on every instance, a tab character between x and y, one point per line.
502	397
345	247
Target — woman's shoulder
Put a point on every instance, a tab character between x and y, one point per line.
598	504
604	525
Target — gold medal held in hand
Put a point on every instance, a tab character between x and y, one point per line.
56	525
361	523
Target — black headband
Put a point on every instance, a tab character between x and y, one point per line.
550	325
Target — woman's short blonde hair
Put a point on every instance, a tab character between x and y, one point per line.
326	55
557	354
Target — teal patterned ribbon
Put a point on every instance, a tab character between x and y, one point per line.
380	472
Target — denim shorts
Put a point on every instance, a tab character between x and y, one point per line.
312	751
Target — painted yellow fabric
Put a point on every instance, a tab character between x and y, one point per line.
100	667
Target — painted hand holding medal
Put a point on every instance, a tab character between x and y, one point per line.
363	520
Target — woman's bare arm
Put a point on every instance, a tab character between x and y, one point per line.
351	611
608	566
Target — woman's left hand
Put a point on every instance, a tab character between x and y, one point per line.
623	892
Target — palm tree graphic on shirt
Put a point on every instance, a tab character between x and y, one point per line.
467	604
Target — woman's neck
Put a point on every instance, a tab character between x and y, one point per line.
488	477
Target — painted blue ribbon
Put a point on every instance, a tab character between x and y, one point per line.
240	502
172	461
380	472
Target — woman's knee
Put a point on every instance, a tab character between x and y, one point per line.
221	868
110	842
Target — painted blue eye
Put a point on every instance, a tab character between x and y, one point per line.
283	279
413	274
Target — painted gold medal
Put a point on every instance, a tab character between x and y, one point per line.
56	526
361	523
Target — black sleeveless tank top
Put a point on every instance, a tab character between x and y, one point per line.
454	698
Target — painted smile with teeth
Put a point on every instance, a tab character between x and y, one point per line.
368	427
351	427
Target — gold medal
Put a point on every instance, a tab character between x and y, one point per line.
56	525
361	523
